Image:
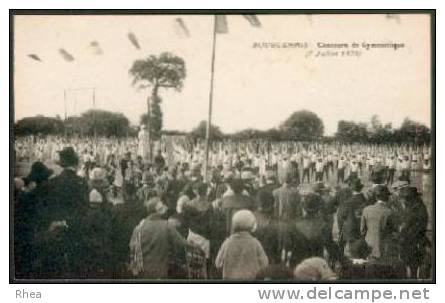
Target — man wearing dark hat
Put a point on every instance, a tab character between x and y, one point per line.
66	203
377	223
312	234
413	238
27	220
349	214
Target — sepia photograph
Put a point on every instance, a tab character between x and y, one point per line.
288	146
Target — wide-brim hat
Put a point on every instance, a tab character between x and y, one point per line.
39	172
408	193
399	184
68	157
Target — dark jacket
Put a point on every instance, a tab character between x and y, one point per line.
98	253
27	226
66	201
348	216
232	204
309	239
413	233
67	197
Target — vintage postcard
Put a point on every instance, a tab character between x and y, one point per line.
216	146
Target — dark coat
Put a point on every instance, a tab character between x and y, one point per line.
268	233
413	233
98	253
309	239
67	197
27	226
67	200
232	204
348	216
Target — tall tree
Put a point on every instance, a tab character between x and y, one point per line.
302	125
199	132
413	132
39	125
156	72
104	123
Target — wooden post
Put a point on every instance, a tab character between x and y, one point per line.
209	119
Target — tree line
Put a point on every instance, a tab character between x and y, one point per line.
301	126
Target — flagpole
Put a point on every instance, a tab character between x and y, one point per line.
209	119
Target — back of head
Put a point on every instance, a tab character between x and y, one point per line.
288	178
200	188
153	205
237	185
243	220
382	193
314	269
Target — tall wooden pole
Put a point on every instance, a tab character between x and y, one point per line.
64	101
94	108
209	119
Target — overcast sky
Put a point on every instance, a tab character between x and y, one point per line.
253	87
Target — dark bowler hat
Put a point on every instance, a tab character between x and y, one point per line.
68	157
408	192
356	184
39	172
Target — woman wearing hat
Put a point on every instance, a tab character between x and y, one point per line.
28	219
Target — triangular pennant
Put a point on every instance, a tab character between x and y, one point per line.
133	40
253	20
181	28
35	57
65	55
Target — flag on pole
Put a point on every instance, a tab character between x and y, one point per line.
181	28
253	20
65	55
35	57
95	48
221	24
133	40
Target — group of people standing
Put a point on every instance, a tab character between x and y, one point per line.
119	216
